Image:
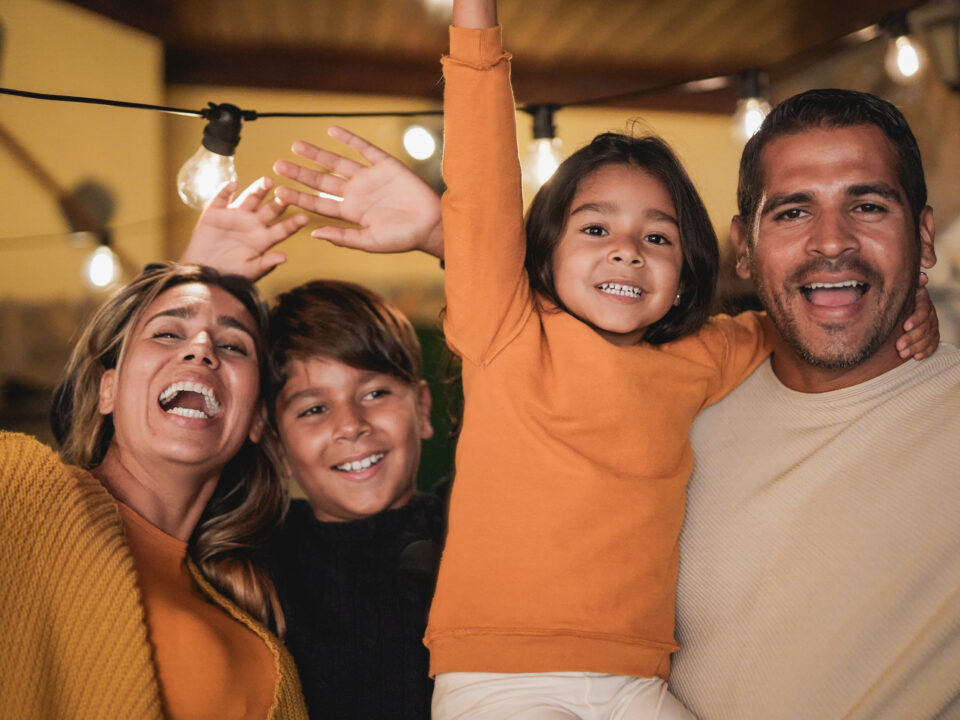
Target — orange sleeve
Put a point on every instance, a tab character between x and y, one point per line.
487	293
738	344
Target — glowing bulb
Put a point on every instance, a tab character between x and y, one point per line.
102	268
419	142
904	59
202	176
211	167
543	159
748	117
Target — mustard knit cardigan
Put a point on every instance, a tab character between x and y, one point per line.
73	641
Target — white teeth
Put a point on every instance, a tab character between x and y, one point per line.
617	289
213	406
358	465
845	283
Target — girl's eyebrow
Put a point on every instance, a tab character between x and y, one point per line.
607	208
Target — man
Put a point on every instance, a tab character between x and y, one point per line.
820	558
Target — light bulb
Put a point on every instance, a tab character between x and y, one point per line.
543	158
202	176
748	117
211	166
904	59
419	142
102	268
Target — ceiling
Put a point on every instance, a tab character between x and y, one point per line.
565	50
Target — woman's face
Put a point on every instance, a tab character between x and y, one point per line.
186	390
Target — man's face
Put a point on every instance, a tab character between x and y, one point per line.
834	253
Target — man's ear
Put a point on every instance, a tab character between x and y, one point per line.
928	256
424	403
107	387
259	422
740	242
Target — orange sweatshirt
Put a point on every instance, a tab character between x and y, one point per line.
574	457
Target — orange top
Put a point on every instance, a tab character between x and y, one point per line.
574	457
208	664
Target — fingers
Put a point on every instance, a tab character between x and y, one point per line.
324	182
923	279
250	199
370	152
266	263
222	198
285	228
343	237
345	167
312	203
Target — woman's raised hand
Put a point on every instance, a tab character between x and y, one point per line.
236	237
395	210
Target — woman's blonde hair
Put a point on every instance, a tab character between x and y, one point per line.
250	498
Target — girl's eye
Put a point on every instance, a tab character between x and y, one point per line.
312	410
594	230
658	239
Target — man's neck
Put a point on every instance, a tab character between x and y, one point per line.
798	374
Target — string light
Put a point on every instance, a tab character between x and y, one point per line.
905	59
102	268
419	142
211	166
752	107
544	153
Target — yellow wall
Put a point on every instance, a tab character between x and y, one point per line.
58	48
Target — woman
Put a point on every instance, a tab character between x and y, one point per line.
126	580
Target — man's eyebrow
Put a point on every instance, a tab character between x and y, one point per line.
781	199
879	188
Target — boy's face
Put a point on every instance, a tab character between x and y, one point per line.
351	437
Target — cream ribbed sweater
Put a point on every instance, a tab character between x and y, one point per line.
820	556
73	643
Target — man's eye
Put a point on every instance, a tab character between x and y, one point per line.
791	214
313	410
870	208
594	230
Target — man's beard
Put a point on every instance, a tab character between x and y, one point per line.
891	310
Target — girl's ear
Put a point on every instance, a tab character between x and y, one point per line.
107	388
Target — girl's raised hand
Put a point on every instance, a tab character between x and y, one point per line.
395	210
922	329
235	237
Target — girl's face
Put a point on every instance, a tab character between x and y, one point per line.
186	389
618	262
351	437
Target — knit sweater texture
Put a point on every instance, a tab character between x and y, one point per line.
572	465
356	596
73	639
820	556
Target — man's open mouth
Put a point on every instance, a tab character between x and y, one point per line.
835	294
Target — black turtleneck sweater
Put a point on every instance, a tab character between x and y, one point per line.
355	596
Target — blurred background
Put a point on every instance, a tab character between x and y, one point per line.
85	185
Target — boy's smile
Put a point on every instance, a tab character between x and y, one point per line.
351	437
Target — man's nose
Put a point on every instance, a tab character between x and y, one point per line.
202	350
832	235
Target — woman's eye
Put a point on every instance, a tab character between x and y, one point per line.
594	230
232	348
165	334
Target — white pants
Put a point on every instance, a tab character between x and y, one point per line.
553	696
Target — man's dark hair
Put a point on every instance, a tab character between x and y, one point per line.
829	109
698	241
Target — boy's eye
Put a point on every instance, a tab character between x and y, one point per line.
594	230
312	410
378	393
